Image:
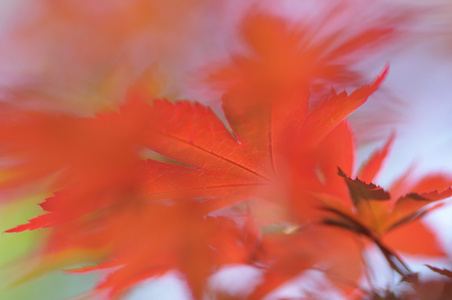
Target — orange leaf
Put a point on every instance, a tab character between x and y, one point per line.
370	169
328	114
414	238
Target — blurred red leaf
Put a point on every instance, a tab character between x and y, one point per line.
157	214
99	175
370	169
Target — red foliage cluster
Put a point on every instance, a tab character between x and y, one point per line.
273	188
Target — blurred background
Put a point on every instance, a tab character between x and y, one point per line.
81	57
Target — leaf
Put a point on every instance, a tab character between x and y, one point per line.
360	190
369	170
176	129
364	197
290	255
328	114
265	118
316	171
286	60
415	238
374	207
139	253
413	205
444	272
225	163
376	215
177	210
56	262
211	165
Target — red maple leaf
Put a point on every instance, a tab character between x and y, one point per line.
152	215
103	176
392	223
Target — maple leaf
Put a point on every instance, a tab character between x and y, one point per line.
108	189
177	211
444	272
376	215
375	209
361	191
215	162
288	58
182	238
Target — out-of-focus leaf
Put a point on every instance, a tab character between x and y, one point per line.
370	169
